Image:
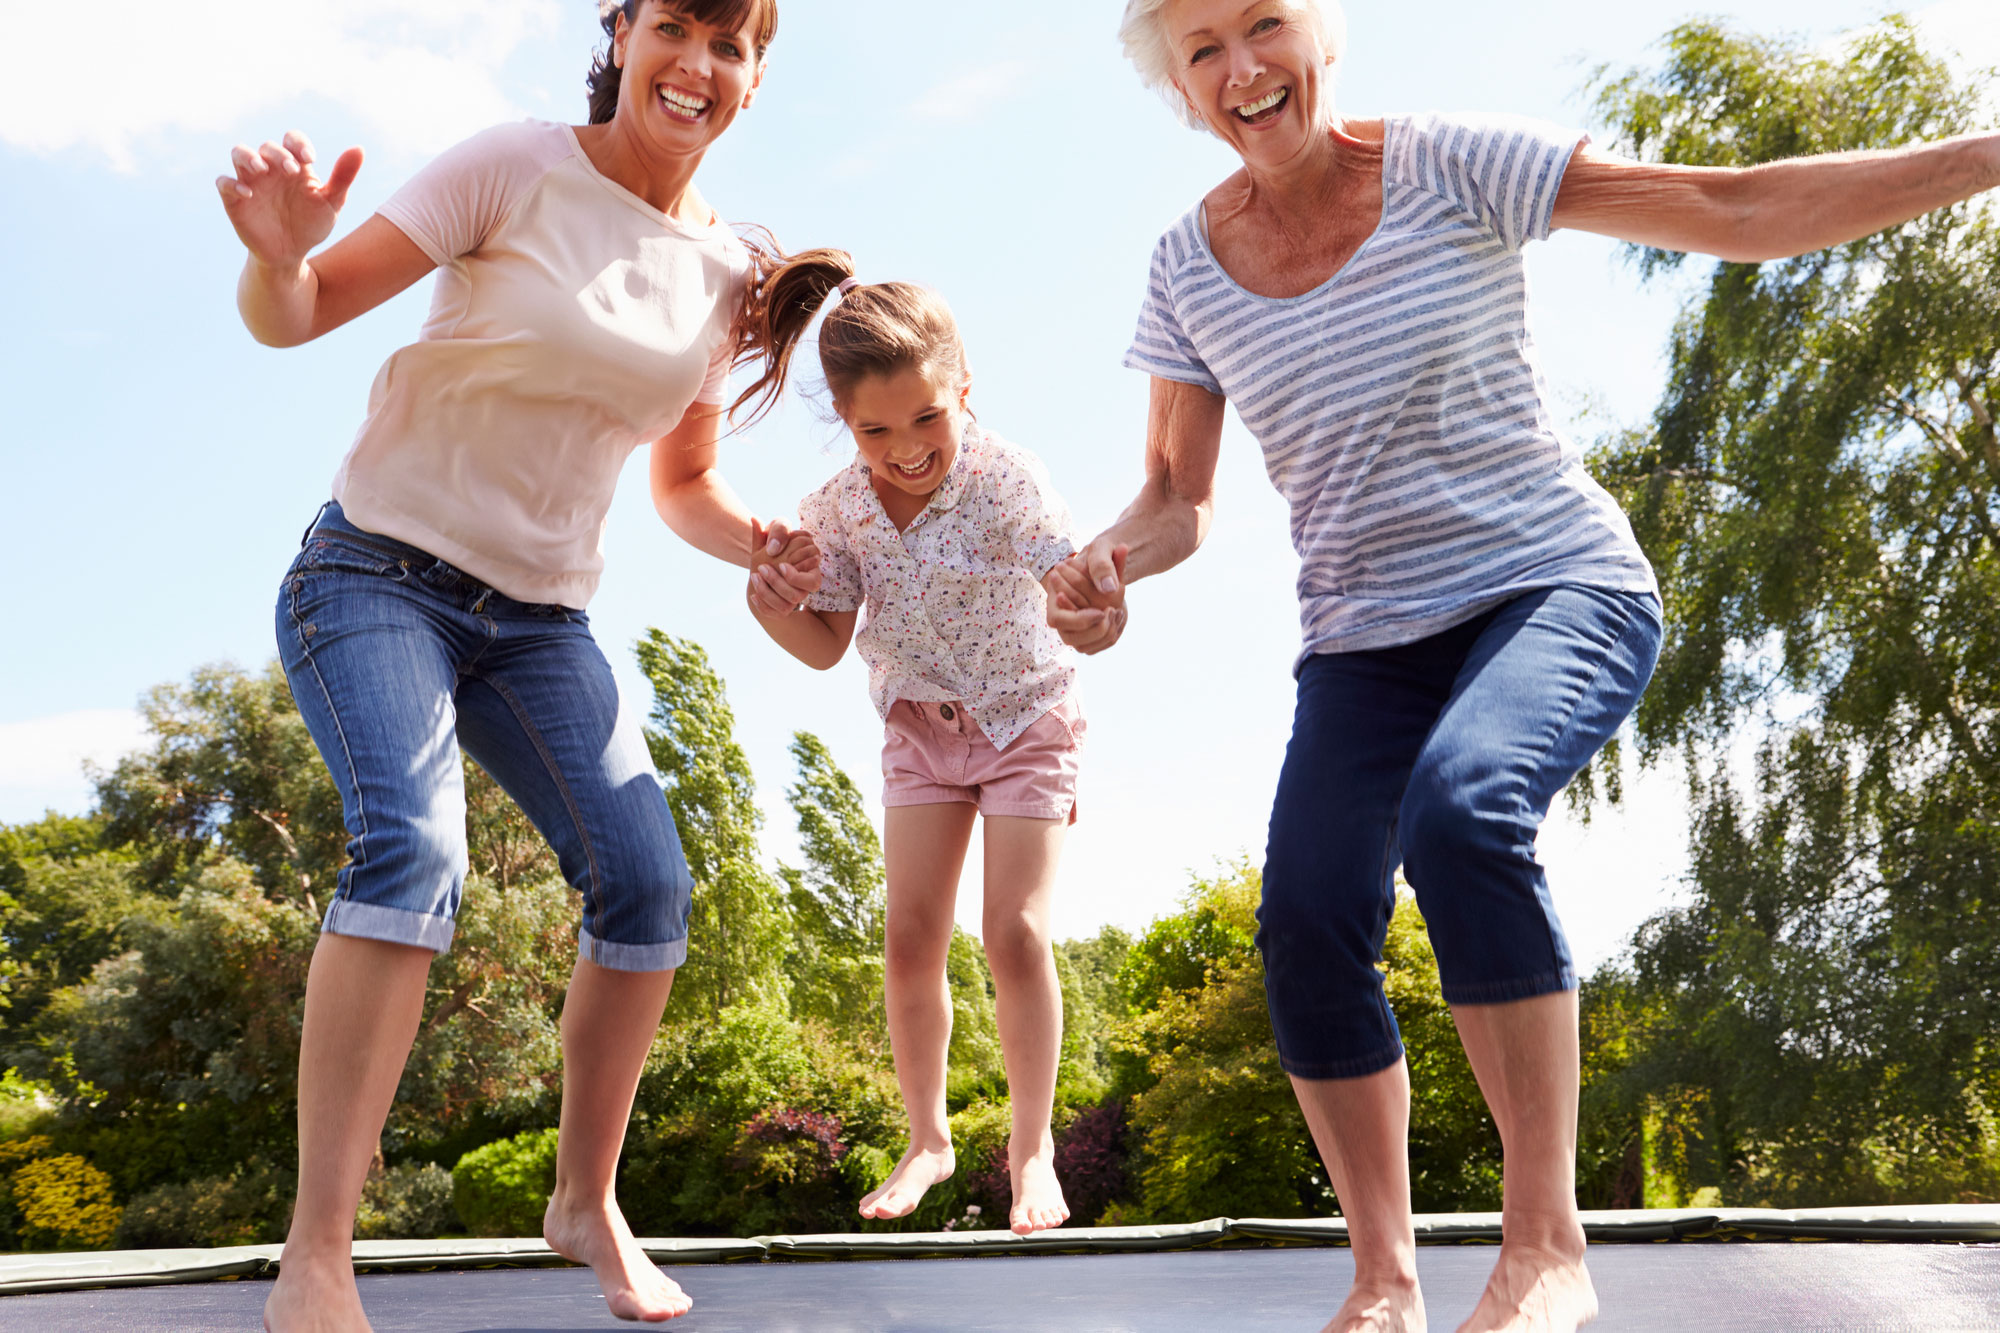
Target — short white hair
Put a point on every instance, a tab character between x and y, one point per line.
1144	32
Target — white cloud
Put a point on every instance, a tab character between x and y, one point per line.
422	73
42	759
968	95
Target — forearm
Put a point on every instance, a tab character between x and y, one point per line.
708	515
278	303
805	635
1160	528
1790	208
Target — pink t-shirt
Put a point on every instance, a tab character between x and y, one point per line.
571	323
955	611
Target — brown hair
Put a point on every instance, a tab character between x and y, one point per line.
602	81
875	330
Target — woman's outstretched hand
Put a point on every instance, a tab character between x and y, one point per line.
784	568
282	210
1087	597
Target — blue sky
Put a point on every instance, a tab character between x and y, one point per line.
159	465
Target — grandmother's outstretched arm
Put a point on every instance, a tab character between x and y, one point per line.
1774	211
1163	526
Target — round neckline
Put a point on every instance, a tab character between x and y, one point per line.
1389	124
626	196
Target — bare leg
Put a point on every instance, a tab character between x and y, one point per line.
1021	859
364	999
609	1021
1362	1129
1524	1054
923	852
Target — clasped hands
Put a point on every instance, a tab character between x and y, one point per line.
1087	596
784	568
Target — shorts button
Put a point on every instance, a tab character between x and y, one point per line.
944	711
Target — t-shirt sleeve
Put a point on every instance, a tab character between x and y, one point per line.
715	384
1043	534
456	201
839	571
1161	345
1505	169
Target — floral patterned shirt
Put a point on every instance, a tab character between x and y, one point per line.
954	607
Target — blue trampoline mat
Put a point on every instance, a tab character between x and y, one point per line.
1786	1288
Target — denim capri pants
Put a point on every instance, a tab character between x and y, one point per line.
396	659
1440	756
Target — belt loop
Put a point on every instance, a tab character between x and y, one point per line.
306	536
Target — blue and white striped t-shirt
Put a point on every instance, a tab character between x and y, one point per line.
1399	404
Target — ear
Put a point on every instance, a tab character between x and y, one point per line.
1188	103
965	390
756	81
619	39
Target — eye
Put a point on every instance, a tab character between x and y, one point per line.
730	49
1264	25
1202	53
670	28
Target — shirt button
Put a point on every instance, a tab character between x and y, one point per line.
944	711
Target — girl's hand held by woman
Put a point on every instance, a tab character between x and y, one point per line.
1087	596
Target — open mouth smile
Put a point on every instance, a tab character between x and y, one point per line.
682	106
918	470
1266	108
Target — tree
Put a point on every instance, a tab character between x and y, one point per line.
1817	490
738	928
837	900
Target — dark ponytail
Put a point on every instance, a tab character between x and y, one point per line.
785	292
602	81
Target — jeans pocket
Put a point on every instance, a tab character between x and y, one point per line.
329	553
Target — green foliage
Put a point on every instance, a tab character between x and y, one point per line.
1817	490
248	1206
503	1188
62	916
738	929
837	901
65	1203
409	1202
1093	1003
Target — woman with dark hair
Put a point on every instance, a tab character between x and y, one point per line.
588	301
1477	618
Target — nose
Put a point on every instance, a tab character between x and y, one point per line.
694	61
1244	66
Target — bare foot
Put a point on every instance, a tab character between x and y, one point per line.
899	1195
1535	1290
315	1298
1385	1307
594	1233
1038	1196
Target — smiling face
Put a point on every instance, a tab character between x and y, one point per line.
906	423
1258	75
684	80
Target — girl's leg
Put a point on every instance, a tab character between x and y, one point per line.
1361	1127
923	853
363	1001
608	1023
1021	859
1524	1054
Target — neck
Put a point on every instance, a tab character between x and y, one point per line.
666	182
1298	187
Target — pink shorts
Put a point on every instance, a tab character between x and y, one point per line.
935	753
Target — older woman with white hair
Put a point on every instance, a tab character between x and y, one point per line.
1478	619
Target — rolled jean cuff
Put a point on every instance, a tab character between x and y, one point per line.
661	957
1520	988
1360	1066
369	921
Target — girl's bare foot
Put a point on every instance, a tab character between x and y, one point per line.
1535	1290
1380	1307
1038	1196
899	1195
593	1232
310	1297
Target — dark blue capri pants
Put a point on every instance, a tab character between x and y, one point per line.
397	658
1441	756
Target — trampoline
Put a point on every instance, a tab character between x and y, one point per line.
1153	1286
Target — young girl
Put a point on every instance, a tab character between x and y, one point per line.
943	532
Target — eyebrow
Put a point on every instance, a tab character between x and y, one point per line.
1198	32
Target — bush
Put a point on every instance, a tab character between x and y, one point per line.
248	1207
410	1202
503	1188
1092	1161
65	1204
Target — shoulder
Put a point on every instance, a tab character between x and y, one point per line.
1179	246
1003	461
828	499
535	144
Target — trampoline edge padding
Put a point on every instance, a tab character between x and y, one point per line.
128	1268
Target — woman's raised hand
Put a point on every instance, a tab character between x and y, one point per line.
281	210
784	568
1087	597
